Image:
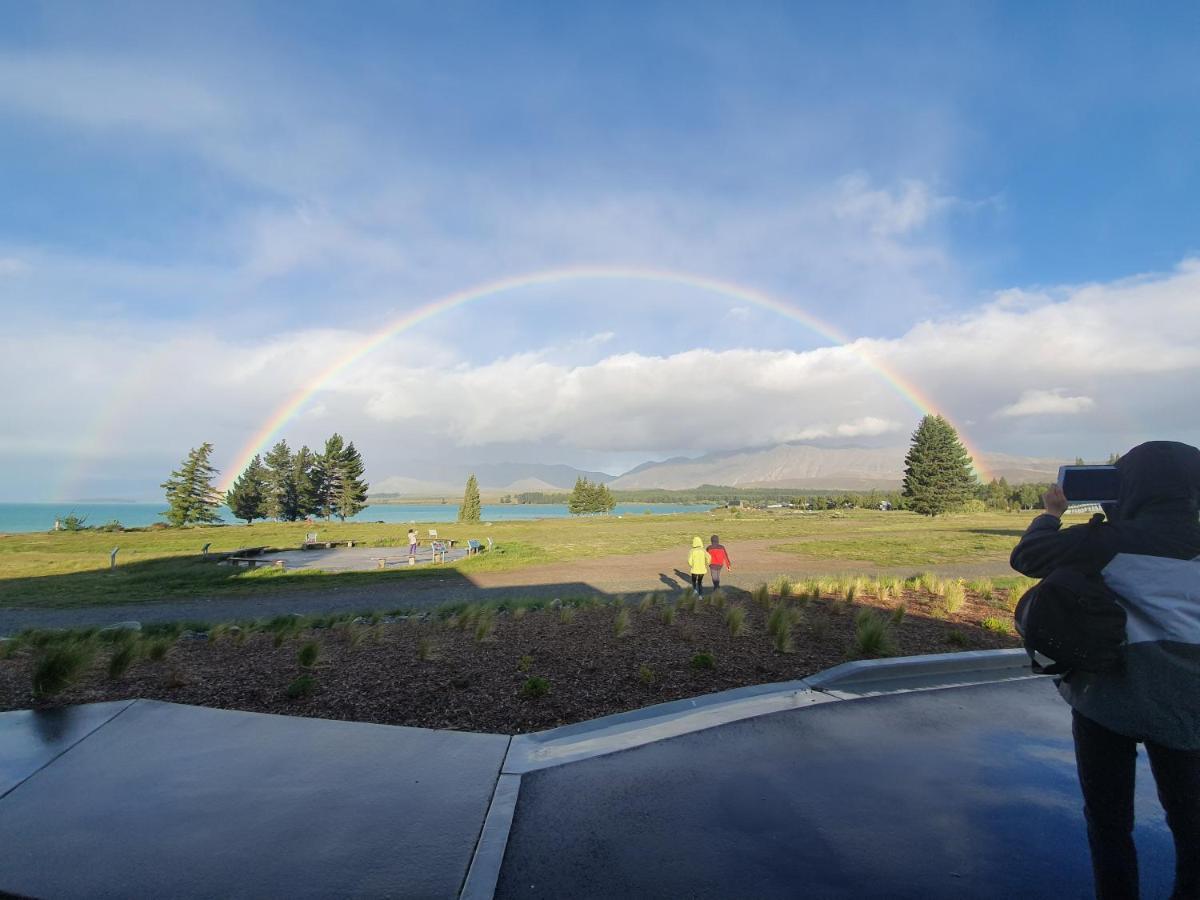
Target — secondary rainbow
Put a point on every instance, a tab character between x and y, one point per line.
290	407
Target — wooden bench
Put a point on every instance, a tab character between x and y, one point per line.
254	562
325	545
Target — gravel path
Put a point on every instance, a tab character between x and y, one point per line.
754	562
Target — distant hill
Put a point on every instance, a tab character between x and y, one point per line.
807	466
426	478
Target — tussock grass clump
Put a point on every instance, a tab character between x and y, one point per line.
424	648
647	675
525	663
647	602
124	656
621	622
519	613
704	661
534	687
468	618
783	587
668	614
982	588
999	626
158	648
485	625
897	615
687	602
300	688
60	665
779	626
862	587
818	626
953	595
307	655
957	638
761	596
871	637
717	599
735	619
566	615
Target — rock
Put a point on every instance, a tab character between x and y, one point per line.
194	636
131	625
361	620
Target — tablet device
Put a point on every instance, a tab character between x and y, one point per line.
1090	484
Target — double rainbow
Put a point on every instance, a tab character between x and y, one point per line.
290	407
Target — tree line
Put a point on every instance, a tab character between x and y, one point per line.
282	485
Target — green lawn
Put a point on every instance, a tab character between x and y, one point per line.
71	568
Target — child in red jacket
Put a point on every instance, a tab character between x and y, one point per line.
718	559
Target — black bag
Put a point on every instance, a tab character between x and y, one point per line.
1073	619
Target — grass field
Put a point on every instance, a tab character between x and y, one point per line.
66	569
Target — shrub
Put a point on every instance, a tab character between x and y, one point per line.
871	634
898	613
647	676
735	618
668	615
647	602
621	622
525	663
123	657
301	687
1000	626
953	596
308	653
704	660
60	666
535	686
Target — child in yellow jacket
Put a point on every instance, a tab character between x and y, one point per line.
698	563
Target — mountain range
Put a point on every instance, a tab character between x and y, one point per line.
782	466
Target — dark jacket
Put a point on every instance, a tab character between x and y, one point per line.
1149	553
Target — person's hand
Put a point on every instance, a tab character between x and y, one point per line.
1055	501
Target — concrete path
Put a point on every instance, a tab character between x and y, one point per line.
929	777
755	562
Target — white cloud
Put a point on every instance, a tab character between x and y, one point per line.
868	426
888	212
1035	402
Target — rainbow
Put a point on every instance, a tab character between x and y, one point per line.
290	407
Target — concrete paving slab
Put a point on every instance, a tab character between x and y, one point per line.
358	559
31	739
178	801
963	791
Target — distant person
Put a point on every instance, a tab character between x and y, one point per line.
698	563
718	559
1148	552
412	542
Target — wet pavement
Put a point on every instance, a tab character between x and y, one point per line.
833	787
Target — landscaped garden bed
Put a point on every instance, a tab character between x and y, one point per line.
514	668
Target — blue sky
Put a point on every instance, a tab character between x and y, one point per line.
212	201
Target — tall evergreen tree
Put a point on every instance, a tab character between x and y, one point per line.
191	497
327	475
246	497
281	501
305	476
471	507
604	501
937	470
351	496
580	498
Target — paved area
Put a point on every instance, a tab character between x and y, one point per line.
838	786
359	559
159	800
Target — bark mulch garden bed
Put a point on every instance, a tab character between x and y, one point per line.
503	670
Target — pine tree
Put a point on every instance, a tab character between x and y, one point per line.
328	475
578	502
351	496
605	502
281	501
937	470
246	497
191	497
304	475
471	508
